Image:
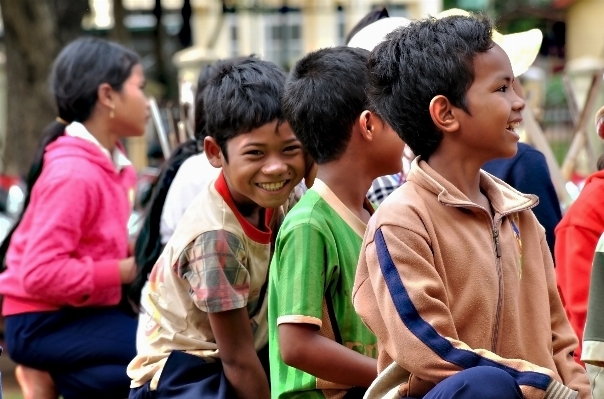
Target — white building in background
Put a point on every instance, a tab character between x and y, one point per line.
277	30
280	30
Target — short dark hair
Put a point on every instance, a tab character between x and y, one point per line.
324	95
414	64
242	97
205	75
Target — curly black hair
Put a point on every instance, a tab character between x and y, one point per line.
414	64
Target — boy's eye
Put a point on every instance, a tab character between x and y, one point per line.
254	152
502	89
292	148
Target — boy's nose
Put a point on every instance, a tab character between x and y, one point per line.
274	167
518	103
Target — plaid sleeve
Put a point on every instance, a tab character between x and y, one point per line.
213	265
383	186
294	197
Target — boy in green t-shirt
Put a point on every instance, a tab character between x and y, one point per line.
318	344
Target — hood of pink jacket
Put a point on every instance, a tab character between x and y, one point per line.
66	147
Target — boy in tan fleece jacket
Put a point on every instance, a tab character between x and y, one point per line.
455	277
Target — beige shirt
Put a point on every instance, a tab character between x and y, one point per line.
215	261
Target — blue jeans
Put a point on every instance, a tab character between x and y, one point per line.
85	350
482	382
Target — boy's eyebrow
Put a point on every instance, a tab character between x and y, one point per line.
259	144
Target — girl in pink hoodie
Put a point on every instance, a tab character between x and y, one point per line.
67	257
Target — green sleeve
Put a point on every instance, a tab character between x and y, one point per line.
593	339
299	268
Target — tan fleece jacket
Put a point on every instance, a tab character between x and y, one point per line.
446	286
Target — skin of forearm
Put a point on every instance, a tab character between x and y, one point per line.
240	361
247	379
303	348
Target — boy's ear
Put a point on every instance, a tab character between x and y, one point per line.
443	114
213	151
367	123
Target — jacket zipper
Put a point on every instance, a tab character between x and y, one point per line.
495	336
495	234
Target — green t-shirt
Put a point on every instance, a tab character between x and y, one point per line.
593	337
315	257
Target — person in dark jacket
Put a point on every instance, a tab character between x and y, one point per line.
528	173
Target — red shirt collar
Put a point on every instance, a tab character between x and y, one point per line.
259	236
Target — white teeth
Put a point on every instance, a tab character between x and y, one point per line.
513	126
272	186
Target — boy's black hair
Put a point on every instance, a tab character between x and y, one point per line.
148	245
414	64
241	98
368	19
324	95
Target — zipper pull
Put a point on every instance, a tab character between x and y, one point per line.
496	240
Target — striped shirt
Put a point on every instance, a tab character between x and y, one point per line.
315	259
593	339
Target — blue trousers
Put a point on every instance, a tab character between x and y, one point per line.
86	351
186	376
482	382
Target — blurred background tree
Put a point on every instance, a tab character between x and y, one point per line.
34	31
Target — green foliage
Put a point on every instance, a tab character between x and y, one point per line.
554	91
522	24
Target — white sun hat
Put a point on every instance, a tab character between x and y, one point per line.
522	48
375	33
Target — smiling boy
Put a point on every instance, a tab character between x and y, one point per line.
205	313
455	277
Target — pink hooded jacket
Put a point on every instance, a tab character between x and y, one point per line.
67	249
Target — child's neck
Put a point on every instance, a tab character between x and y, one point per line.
463	173
252	212
99	130
350	187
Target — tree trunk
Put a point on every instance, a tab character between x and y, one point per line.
69	18
34	32
185	35
119	32
158	38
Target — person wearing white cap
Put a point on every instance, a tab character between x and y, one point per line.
454	277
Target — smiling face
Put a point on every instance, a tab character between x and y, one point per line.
263	166
494	108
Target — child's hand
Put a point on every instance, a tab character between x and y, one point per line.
127	270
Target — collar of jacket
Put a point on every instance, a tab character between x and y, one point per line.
504	198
